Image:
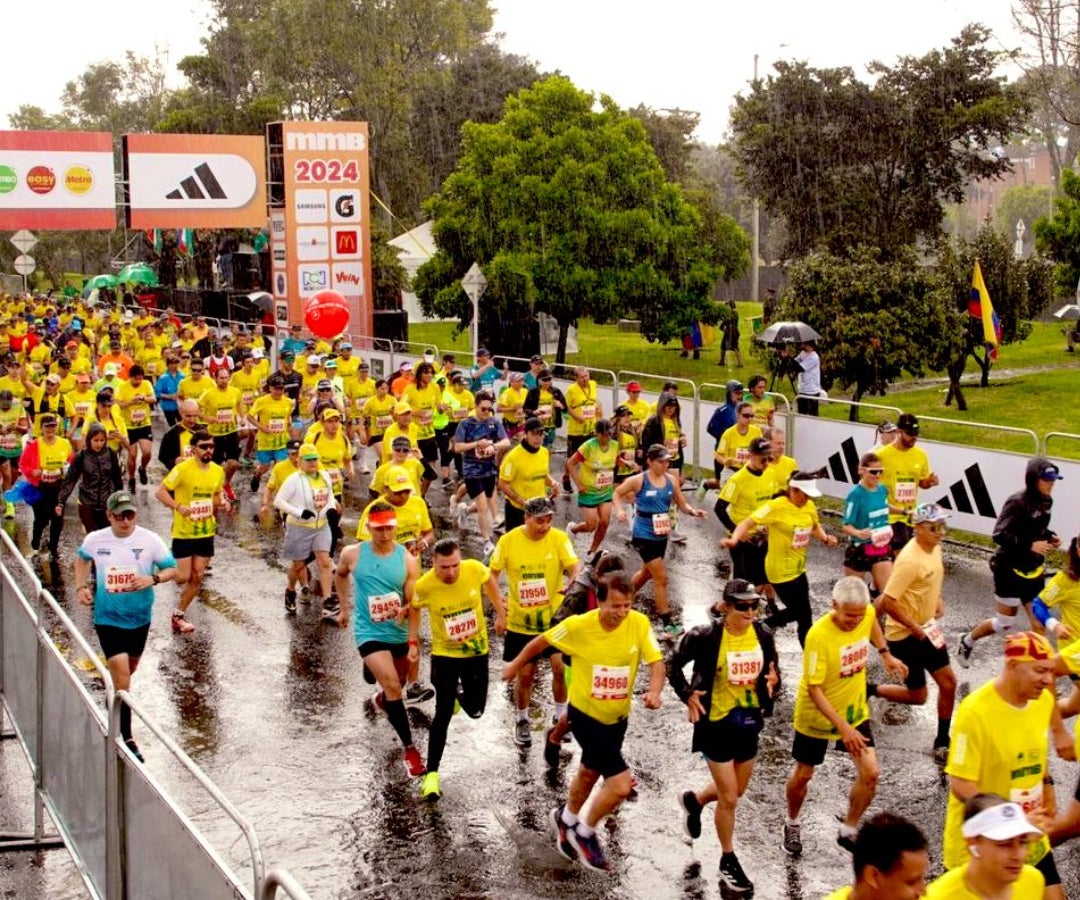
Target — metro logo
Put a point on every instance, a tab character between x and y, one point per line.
313	140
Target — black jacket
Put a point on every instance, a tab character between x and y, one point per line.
701	646
97	474
532	401
1024	519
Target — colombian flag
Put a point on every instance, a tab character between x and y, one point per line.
980	307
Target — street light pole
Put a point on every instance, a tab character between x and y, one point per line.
756	226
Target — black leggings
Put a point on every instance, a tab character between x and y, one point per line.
447	673
795	595
93	519
443	437
45	516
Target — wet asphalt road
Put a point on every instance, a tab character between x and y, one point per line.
275	710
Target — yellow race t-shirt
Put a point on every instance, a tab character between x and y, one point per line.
597	471
410	464
195	487
424	403
734	447
279	473
249	385
52	459
456	611
333	451
220	410
1003	750
903	470
605	662
413	520
113	423
737	669
790	528
394	430
136	413
835	660
511	401
746	491
1062	596
274	415
781	471
379	414
192	389
525	472
534	571
585	402
953	886
915	583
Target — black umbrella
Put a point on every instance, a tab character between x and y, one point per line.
261	301
788	333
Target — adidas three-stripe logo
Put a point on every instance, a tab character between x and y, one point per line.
201	185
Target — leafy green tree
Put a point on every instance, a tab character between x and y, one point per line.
1058	238
1022	202
567	211
874	317
846	163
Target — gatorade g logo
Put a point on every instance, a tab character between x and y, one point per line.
9	179
41	179
345	206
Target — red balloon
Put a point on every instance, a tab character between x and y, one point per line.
326	314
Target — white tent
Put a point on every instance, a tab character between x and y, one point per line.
417	247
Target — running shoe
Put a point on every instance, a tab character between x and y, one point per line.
430	789
254	484
180	625
941	753
134	749
142	476
847	841
417	692
414	765
964	650
489	550
677	537
590	853
792	842
331	608
131	485
522	733
379	701
9	510
562	834
230	494
290	601
691	814
733	877
551	750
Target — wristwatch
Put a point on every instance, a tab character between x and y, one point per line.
157	578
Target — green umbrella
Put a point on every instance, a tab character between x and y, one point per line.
101	281
139	273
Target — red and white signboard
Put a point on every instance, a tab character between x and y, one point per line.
57	180
320	239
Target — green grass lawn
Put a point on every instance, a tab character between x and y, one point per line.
1041	401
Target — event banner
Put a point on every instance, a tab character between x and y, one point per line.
319	236
195	181
57	180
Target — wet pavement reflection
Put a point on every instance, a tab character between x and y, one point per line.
274	708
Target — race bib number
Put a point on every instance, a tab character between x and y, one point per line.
459	413
934	634
661	523
588	412
224	417
532	593
744	667
605	479
881	537
120	579
384	421
1029	799
485	452
81	409
335	477
138	416
853	658
800	538
276	426
9	441
320	496
543	413
461	626
384	607
906	491
200	509
742	455
426	417
51	476
610	682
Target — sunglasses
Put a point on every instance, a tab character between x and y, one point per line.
125	516
746	416
484	408
209	446
937	527
48	424
745	605
875	471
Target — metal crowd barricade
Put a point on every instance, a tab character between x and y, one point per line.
998	429
280	878
824	404
107	808
1060	435
691	430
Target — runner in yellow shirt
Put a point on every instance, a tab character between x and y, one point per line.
136	399
14	423
403	426
44	463
110	419
592	469
524	474
424	398
584	409
743	493
278	474
764	407
607	645
248	380
77	407
193	491
222	408
831	705
271	416
196	383
906	471
379	415
890	861
335	456
414	529
733	450
539	561
640	408
511	406
452	594
400	455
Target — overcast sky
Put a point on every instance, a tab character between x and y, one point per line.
687	54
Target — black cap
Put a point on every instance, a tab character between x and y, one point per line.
908	423
760	447
533	424
740	589
292	445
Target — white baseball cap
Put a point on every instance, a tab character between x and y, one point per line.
999	823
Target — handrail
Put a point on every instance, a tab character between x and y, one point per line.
1026	432
123	697
862	404
282	878
692	402
23	562
1057	434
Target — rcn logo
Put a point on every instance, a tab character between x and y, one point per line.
190	180
313	280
